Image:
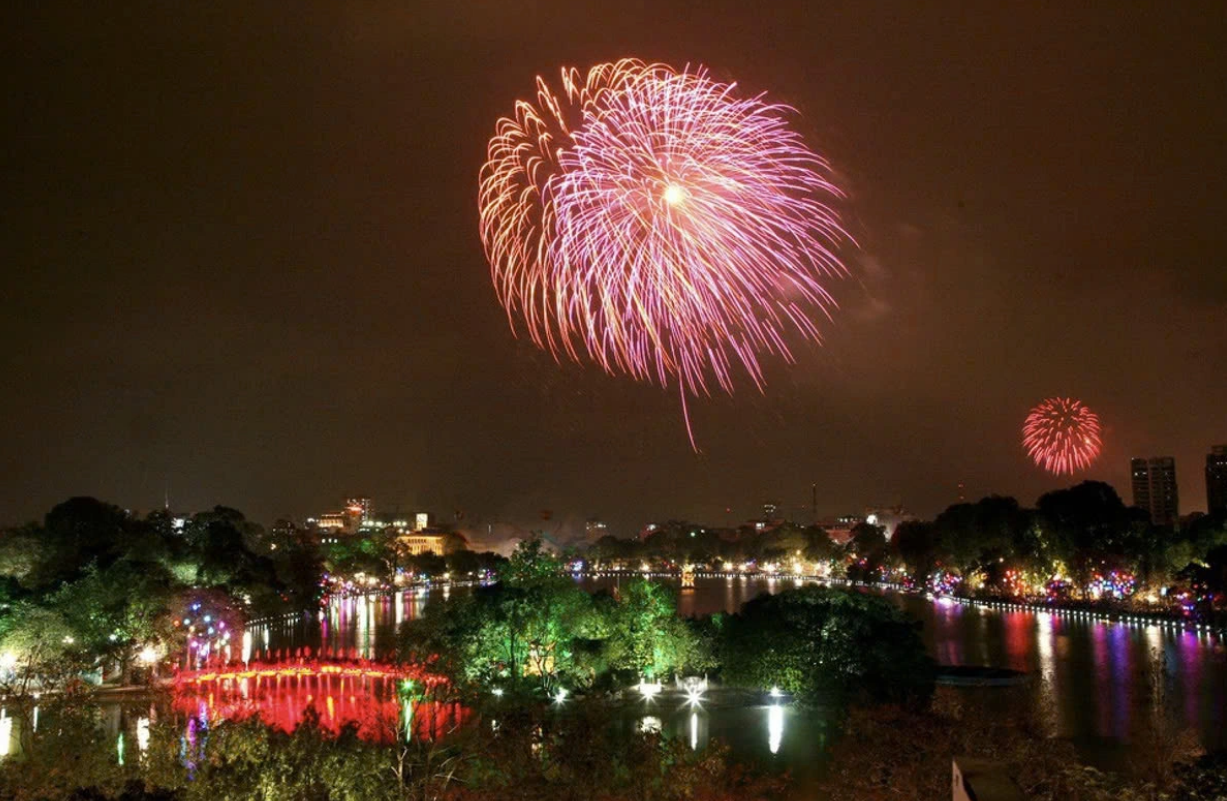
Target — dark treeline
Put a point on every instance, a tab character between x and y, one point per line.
1080	543
93	589
101	590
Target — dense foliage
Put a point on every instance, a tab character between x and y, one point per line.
536	630
93	586
531	754
826	646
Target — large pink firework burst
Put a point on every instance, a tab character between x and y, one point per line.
660	224
1062	435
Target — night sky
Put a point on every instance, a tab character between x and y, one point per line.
242	258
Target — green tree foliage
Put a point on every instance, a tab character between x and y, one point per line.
645	635
533	754
826	646
532	564
517	636
537	630
107	583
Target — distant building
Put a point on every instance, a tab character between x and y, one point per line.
331	520
1154	488
420	542
1216	480
358	509
595	528
770	510
839	529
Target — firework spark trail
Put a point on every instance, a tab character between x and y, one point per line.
1062	435
660	224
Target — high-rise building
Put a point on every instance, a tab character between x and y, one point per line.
1216	480
358	508
1154	488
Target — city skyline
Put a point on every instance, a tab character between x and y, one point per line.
254	274
1153	489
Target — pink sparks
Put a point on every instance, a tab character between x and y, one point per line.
659	224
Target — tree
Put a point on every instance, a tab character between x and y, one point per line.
915	542
826	646
1090	527
462	563
531	564
819	546
868	544
646	637
528	635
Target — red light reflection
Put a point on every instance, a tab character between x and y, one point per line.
365	695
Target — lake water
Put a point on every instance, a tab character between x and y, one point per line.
1095	685
1096	678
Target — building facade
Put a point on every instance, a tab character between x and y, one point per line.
1154	488
1216	480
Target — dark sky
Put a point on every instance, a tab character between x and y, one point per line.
241	256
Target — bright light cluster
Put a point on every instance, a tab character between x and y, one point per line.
660	224
943	582
1116	584
1062	435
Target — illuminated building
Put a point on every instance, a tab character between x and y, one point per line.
1154	488
1216	480
331	520
357	509
840	528
430	541
356	514
596	528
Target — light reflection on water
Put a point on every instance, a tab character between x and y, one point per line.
6	733
1094	677
775	727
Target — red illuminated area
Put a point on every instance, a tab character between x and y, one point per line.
1062	435
378	700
